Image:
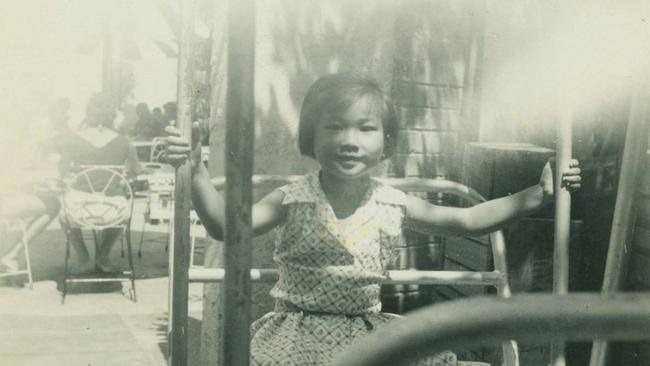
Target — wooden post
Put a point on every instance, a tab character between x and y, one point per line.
562	222
240	133
620	239
179	251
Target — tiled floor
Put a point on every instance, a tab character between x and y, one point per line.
90	328
98	324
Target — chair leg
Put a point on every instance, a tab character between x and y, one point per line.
96	238
23	244
129	249
65	267
28	262
141	239
192	245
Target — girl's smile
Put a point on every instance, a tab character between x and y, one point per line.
349	145
348	161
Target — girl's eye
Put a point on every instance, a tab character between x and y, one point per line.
369	128
333	127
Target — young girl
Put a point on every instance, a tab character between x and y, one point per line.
337	227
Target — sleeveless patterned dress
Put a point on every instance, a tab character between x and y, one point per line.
330	271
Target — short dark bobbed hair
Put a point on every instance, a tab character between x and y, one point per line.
334	94
100	111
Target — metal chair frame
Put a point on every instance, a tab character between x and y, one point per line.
158	145
159	192
196	231
483	320
8	225
497	278
156	194
122	222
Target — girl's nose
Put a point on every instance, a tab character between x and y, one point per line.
343	148
349	141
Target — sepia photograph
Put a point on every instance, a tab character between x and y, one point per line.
324	182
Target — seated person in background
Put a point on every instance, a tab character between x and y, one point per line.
158	123
97	143
169	111
29	187
143	130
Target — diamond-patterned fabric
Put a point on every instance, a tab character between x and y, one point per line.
332	265
327	294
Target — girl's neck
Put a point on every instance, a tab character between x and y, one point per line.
344	195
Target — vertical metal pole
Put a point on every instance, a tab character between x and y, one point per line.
510	348
562	221
240	127
179	265
636	144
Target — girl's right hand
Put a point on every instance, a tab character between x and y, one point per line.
178	148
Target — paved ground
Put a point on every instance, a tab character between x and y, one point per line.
98	324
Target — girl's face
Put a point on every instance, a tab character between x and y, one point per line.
349	145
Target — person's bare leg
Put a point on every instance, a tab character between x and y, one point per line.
83	264
21	205
108	241
35	227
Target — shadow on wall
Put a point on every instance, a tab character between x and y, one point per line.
432	40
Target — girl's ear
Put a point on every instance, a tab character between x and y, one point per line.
388	146
384	156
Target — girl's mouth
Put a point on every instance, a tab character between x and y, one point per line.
348	157
347	161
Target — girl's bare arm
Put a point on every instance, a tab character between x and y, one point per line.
491	215
210	206
476	220
208	203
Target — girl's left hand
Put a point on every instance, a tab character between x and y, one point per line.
571	178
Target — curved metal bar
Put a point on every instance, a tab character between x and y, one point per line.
404	184
487	320
435	185
158	145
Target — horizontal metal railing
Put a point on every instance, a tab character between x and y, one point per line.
497	278
411	184
489	320
415	277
